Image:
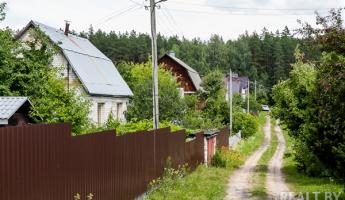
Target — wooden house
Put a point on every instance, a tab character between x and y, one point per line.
187	77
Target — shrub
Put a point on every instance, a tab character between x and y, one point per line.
135	125
308	162
246	123
140	105
226	158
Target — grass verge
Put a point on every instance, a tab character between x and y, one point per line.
299	183
259	189
209	183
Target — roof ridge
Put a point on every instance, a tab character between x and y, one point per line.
86	54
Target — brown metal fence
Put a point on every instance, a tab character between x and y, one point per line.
41	162
223	138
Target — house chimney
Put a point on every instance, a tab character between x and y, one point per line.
172	53
67	27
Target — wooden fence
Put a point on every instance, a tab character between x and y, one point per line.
40	162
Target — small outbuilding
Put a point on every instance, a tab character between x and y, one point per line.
14	111
210	143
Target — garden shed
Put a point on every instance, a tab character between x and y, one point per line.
14	111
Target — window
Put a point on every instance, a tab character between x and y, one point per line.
100	113
118	110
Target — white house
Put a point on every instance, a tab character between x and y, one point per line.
87	69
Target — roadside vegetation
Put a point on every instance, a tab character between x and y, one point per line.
209	182
301	183
311	104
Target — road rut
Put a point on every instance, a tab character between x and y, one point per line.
240	182
275	184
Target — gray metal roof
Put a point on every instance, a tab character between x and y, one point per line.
96	71
10	105
194	75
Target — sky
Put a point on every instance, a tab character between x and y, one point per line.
188	18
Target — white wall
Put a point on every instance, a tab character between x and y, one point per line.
110	107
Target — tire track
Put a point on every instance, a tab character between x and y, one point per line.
240	185
275	183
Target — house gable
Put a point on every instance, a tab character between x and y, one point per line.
58	60
179	72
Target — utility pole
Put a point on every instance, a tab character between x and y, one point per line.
230	98
248	96
255	90
154	65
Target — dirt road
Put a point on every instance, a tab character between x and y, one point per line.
275	183
240	185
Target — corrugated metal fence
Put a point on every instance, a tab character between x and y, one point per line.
41	162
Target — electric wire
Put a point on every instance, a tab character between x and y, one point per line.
249	8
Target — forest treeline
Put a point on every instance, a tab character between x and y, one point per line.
265	57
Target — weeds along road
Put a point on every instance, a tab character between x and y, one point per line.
240	185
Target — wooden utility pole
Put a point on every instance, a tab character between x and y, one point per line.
248	96
255	90
230	98
154	65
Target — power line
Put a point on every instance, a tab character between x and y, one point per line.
171	25
172	20
238	13
126	11
162	24
249	8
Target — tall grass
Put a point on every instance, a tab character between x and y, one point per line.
300	183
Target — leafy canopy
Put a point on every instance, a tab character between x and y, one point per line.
140	81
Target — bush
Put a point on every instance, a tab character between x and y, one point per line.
140	81
245	122
226	158
308	162
133	126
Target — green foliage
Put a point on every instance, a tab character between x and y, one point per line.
2	13
306	184
245	122
326	130
238	103
140	81
266	56
25	70
311	102
294	97
216	108
254	106
227	158
56	104
165	184
262	97
136	125
328	36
